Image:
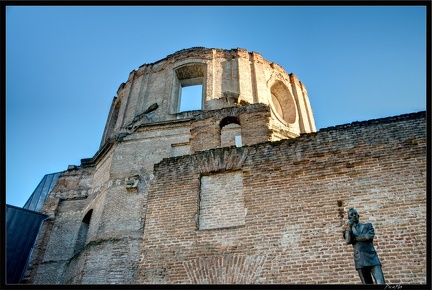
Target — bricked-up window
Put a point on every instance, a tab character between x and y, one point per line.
189	87
82	232
180	149
221	201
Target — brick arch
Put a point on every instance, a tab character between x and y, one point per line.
226	269
190	70
229	120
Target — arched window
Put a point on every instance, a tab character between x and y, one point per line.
230	132
82	232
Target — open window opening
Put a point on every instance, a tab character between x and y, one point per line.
230	132
190	98
189	87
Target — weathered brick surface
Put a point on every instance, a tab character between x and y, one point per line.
283	222
61	242
296	193
227	269
229	133
206	130
221	201
232	78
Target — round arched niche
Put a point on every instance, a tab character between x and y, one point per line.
230	134
282	103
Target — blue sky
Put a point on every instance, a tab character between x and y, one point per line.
65	64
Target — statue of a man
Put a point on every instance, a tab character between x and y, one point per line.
365	257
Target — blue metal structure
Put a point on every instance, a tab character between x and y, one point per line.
23	225
22	230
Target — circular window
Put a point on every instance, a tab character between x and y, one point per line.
282	103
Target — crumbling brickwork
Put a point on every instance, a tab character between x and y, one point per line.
242	191
296	193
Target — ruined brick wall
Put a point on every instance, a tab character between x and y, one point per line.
61	243
205	132
118	210
56	242
254	127
229	78
117	218
295	195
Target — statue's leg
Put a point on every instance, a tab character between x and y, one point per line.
378	275
365	275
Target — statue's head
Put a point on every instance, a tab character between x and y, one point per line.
353	215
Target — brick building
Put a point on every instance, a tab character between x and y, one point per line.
240	190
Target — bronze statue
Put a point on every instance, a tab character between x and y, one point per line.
365	257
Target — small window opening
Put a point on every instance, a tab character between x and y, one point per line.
191	98
82	232
230	134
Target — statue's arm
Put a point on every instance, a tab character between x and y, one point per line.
349	236
368	236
